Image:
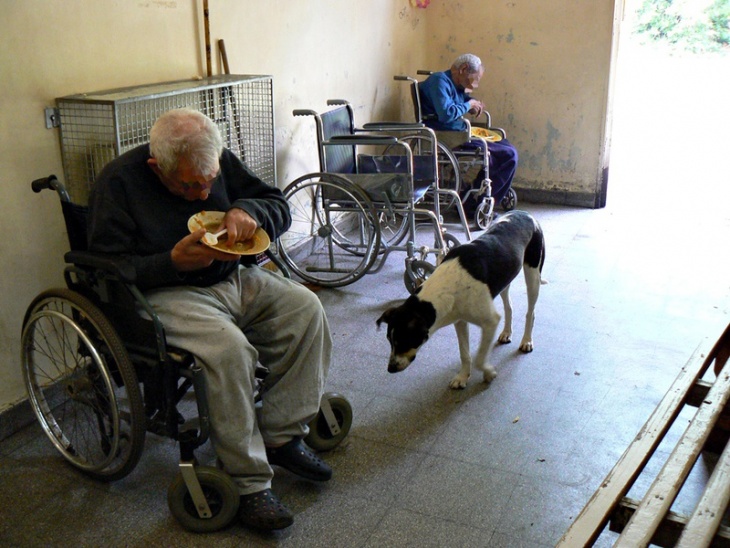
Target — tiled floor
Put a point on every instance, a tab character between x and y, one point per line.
509	464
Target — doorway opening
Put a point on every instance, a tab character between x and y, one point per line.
671	117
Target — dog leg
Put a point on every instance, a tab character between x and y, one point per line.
506	335
480	361
462	335
532	281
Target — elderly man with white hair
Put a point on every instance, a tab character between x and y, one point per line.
445	99
224	309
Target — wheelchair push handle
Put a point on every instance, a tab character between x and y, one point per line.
53	183
43	183
303	112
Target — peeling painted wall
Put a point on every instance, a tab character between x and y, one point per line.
546	83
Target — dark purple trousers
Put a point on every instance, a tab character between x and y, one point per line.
502	166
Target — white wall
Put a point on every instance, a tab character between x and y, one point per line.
548	62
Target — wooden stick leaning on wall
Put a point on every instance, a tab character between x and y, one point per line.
224	56
206	24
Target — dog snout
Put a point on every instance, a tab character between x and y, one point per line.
399	363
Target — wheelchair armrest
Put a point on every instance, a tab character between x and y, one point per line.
101	261
280	264
392	125
361	140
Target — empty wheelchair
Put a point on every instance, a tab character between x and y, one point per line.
367	200
99	377
464	161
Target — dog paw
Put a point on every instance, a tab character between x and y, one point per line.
458	382
504	338
526	347
489	374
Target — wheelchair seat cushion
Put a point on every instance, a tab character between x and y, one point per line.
388	175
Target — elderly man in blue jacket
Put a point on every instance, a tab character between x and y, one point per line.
445	99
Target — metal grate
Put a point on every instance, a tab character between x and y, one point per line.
99	126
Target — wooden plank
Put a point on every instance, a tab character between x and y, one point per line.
708	513
594	516
668	533
660	496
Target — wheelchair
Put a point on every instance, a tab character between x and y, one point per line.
364	203
460	160
99	377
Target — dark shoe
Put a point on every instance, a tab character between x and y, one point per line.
300	460
262	510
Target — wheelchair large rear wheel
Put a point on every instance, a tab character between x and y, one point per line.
393	227
82	385
449	175
335	236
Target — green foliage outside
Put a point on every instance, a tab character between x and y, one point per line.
675	23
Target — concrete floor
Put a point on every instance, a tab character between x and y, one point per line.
506	464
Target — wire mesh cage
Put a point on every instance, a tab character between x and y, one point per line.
99	126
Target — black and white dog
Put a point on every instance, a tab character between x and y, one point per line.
462	290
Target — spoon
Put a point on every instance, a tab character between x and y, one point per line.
212	239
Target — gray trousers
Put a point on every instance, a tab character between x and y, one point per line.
255	315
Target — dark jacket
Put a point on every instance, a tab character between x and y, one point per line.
132	214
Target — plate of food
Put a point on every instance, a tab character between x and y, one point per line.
211	220
486	134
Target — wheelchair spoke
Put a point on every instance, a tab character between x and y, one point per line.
333	239
69	355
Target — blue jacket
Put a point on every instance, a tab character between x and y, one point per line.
442	102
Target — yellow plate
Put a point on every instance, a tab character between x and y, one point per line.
487	134
211	220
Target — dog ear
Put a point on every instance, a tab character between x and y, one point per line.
384	317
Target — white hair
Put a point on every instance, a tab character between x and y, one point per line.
472	62
189	134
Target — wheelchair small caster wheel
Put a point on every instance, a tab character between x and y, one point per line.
323	437
483	214
509	202
221	495
451	241
414	276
